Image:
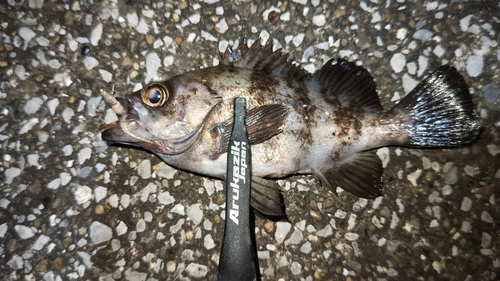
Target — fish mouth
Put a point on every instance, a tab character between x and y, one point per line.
124	133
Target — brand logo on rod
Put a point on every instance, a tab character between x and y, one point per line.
239	154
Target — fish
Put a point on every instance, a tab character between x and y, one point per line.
327	124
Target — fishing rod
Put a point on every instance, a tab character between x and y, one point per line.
238	257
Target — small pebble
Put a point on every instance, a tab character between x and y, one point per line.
269	226
491	92
398	62
383	154
325	232
351	236
466	226
452	175
83	194
67	114
263	255
474	65
296	268
100	233
437	267
153	63
23	231
195	213
208	242
84	154
412	177
40	242
306	248
423	34
295	238
33	105
297	40
465	22
4	203
121	228
222	26
27	34
486	240
282	229
96	34
11	173
165	198
493	149
99	210
142	27
140	225
125	200
196	270
486	217
319	20
144	169
28	125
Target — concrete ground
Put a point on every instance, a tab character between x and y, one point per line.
73	208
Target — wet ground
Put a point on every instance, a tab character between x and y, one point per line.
73	208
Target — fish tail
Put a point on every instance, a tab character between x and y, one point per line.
441	111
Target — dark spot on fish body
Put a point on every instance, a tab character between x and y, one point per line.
231	69
335	155
300	90
302	104
303	136
333	100
358	126
348	121
262	85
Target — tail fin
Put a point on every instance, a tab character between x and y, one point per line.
442	111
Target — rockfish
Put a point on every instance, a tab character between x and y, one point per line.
326	124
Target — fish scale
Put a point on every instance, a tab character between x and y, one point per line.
326	124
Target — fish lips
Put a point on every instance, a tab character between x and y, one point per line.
115	133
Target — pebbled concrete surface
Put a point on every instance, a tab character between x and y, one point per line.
73	208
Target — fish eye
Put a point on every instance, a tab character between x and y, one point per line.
155	94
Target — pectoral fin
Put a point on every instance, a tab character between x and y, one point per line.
267	198
263	123
360	174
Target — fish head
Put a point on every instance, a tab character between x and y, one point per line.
164	117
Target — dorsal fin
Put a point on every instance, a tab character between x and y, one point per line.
262	58
348	82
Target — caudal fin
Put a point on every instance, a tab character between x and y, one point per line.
441	110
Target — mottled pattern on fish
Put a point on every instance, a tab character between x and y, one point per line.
326	124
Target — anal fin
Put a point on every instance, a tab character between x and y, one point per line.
266	198
360	174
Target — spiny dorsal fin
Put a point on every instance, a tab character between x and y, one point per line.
348	82
262	58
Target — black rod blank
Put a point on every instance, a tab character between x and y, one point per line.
238	255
